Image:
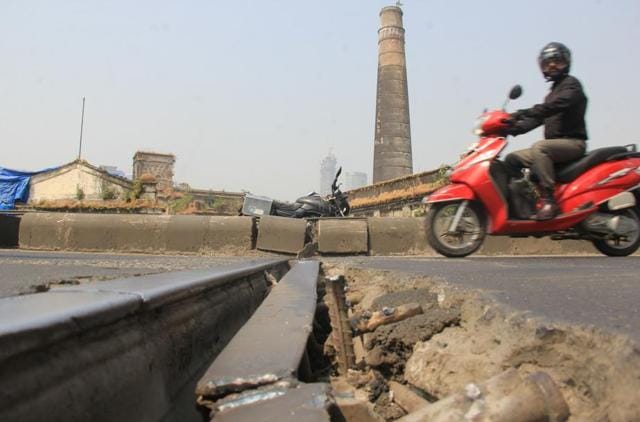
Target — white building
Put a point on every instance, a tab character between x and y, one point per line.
327	173
78	178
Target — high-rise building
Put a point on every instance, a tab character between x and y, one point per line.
328	168
392	145
354	180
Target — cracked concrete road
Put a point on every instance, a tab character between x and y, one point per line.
31	271
584	290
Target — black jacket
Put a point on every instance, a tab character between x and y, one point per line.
562	112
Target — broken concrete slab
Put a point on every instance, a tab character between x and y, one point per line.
408	400
281	234
398	236
304	403
343	235
505	397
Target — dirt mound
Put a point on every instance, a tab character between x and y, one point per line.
461	337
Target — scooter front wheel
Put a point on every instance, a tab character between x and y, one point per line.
456	229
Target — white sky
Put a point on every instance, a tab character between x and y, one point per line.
253	94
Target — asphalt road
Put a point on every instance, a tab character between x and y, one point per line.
31	271
584	290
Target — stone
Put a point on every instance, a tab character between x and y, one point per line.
406	398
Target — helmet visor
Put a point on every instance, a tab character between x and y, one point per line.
553	64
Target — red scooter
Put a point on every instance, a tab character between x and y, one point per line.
597	197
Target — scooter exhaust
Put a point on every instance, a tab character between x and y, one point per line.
609	224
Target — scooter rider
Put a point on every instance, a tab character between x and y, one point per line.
562	114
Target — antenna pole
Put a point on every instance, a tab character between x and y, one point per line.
81	127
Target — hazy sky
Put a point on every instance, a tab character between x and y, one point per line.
253	94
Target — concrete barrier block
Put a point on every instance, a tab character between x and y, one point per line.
398	235
90	232
228	234
140	233
186	233
343	235
281	234
43	230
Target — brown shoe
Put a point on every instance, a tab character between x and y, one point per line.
547	211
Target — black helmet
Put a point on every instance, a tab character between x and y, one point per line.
559	54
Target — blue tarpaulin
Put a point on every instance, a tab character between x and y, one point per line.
14	186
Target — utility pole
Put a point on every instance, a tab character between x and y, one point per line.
81	127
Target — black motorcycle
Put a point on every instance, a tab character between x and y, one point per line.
309	206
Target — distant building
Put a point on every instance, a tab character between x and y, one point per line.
77	180
160	166
113	170
327	173
355	180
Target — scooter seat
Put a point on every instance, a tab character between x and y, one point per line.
567	172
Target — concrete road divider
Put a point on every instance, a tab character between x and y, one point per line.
136	233
129	349
186	233
238	235
231	235
342	236
42	231
398	236
281	234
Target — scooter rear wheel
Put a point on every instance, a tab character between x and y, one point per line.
468	236
619	247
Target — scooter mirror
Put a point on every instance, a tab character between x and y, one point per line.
338	173
515	92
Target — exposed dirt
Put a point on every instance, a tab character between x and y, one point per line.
462	337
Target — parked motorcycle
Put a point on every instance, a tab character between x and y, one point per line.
597	196
311	205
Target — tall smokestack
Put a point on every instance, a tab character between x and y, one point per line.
392	150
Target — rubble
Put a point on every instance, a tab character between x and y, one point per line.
462	343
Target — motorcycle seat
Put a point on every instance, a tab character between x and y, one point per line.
285	206
566	172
